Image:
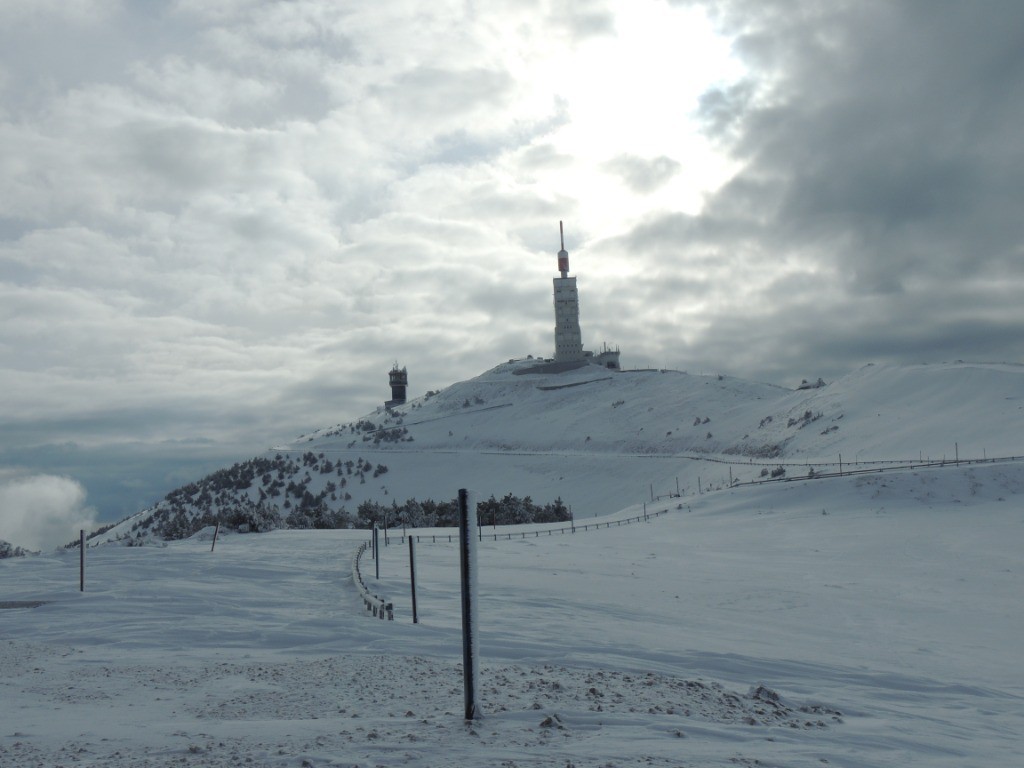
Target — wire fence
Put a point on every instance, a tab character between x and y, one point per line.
382	607
822	470
534	534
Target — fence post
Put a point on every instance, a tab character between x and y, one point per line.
216	531
376	549
412	578
81	561
468	564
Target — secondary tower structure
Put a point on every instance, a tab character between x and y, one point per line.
399	380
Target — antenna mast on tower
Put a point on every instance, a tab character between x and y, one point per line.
563	255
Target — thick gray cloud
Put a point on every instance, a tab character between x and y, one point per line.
874	211
221	223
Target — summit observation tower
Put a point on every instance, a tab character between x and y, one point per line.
568	339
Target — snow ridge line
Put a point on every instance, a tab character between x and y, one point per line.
371	600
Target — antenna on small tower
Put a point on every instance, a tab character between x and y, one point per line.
563	255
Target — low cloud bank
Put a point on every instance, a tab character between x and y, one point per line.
42	512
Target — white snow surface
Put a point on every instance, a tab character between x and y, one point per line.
857	620
854	621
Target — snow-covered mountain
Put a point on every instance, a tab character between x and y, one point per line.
868	619
602	440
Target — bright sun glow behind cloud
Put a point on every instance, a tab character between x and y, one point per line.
632	94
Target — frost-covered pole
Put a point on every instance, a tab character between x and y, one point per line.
468	563
81	561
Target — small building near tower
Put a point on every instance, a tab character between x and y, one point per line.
399	380
608	357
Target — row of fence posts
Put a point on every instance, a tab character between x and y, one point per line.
469	534
468	569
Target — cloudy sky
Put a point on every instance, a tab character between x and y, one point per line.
220	223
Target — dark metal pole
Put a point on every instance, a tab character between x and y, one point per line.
376	548
81	561
412	577
468	565
215	532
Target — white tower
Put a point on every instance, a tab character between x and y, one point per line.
568	339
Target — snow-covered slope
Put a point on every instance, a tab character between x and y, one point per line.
860	621
601	440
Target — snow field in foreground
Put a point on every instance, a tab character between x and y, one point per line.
857	622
